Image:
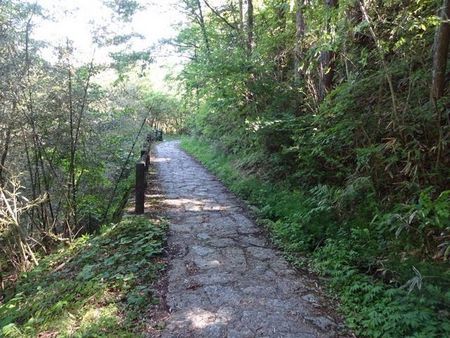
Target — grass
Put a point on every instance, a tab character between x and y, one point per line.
96	287
171	137
304	224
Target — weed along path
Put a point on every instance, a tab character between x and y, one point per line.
224	279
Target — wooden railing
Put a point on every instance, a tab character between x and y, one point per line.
142	166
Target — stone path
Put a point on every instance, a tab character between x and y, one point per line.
224	279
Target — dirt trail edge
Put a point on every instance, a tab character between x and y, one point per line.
224	279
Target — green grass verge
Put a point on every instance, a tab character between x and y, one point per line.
296	219
171	137
96	287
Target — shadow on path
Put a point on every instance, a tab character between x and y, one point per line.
224	279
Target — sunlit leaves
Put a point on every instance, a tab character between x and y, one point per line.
125	9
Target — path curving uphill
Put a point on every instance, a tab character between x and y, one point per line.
224	279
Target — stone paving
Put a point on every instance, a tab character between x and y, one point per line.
224	278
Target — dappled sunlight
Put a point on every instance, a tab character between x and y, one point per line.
85	290
207	168
160	159
182	201
98	319
213	263
154	196
222	277
190	204
201	319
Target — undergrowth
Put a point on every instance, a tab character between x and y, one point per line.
349	238
98	286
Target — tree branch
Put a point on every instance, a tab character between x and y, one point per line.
220	16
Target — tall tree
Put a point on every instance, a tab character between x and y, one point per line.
327	60
299	35
440	52
220	16
241	16
201	20
250	26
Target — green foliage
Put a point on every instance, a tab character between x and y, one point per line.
124	61
374	309
67	128
85	289
165	111
355	175
381	294
124	9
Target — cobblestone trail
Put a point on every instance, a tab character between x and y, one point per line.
224	279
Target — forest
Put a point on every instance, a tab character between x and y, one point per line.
330	118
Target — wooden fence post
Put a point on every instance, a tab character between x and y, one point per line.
142	168
147	161
140	187
145	156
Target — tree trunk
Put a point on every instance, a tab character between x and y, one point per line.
241	16
220	16
5	153
71	184
440	53
281	59
250	24
202	26
327	59
326	72
299	34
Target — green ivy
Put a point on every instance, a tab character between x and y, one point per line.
85	288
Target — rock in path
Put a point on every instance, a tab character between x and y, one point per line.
224	279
